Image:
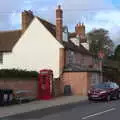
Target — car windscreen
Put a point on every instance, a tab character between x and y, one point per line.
102	86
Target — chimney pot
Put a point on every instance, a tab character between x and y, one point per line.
80	30
59	6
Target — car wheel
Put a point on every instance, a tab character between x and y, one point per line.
108	98
89	99
118	95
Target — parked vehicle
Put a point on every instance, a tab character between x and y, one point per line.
104	91
6	97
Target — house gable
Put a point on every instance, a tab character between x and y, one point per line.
37	28
36	49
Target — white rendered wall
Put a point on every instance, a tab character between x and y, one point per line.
37	49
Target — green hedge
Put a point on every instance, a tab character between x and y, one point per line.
15	73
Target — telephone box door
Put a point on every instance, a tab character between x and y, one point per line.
45	84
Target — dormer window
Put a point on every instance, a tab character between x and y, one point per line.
71	57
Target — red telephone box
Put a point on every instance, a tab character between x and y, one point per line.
45	84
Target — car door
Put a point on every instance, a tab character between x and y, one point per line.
110	89
114	89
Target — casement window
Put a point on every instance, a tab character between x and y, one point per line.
95	79
1	57
71	57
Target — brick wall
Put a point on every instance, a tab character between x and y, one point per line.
78	58
27	17
59	23
20	84
62	59
56	87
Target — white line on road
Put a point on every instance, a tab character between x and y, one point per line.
99	113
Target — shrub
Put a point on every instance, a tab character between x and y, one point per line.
12	73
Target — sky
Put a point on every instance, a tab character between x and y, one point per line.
94	13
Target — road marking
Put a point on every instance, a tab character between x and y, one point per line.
99	113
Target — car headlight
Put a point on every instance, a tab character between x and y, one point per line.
102	92
88	91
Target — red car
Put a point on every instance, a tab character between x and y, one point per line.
104	91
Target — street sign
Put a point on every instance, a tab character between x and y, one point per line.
101	54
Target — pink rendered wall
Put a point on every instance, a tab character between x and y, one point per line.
77	80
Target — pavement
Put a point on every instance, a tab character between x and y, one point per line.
39	105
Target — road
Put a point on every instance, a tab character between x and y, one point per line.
80	111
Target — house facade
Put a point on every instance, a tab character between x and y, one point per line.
42	45
36	49
81	69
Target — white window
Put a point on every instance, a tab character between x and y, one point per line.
94	78
71	57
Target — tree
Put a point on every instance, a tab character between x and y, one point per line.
117	53
99	40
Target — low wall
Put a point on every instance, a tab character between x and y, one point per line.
78	80
20	84
56	88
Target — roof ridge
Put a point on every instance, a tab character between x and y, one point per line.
80	49
45	20
10	31
50	27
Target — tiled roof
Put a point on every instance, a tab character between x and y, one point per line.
68	45
79	68
73	47
50	27
8	39
73	35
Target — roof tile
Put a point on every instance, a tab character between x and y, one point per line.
8	39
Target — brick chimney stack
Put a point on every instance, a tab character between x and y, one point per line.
59	23
80	29
27	17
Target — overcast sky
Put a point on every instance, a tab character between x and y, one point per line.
94	13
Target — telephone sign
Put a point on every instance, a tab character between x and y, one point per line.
101	54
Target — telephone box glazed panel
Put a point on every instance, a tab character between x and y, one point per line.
45	84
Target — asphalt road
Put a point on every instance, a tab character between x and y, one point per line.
79	111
